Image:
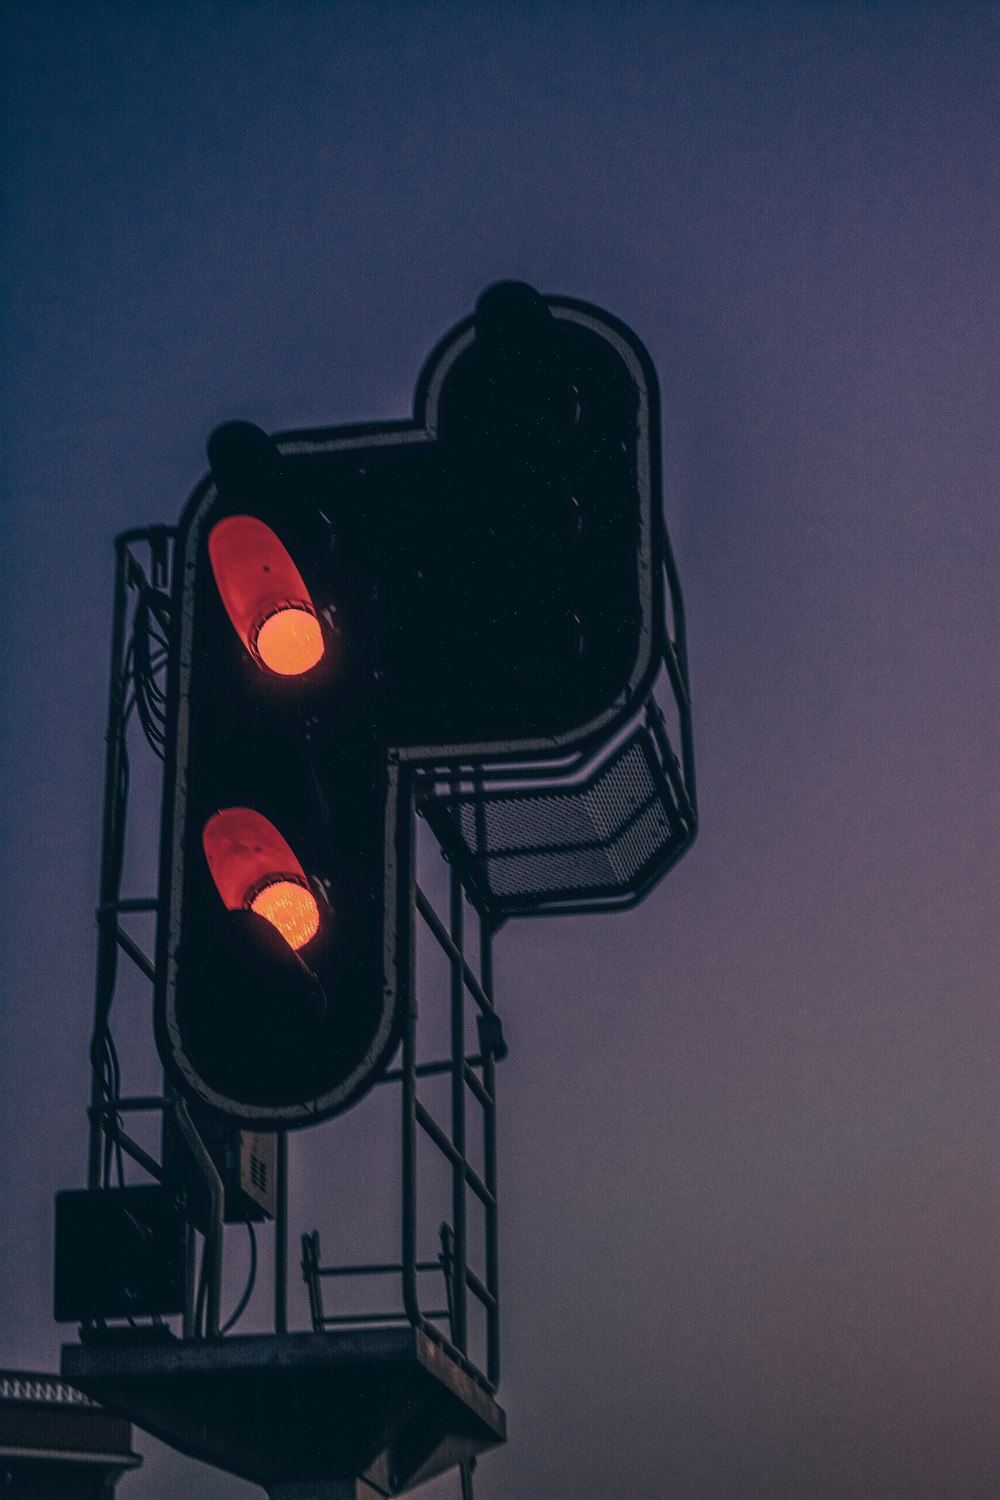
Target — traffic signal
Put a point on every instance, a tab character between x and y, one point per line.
277	1011
483	582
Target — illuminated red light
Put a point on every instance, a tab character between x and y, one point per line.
291	908
265	596
254	869
290	641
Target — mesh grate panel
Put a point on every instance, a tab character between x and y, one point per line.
601	839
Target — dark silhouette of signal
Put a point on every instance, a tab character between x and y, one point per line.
482	582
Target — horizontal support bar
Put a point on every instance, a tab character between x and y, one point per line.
129	903
387	1317
122	1106
151	534
376	1270
494	770
430	1069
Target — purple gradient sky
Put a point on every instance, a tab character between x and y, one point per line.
749	1132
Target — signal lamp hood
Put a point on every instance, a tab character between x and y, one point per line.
265	596
254	869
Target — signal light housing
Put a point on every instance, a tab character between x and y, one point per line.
265	596
254	869
494	571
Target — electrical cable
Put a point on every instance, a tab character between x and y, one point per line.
241	1305
115	1094
199	1306
141	692
151	650
145	655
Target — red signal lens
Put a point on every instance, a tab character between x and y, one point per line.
265	596
254	869
289	641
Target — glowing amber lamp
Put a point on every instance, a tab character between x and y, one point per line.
264	596
254	869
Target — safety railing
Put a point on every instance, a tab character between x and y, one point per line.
472	1078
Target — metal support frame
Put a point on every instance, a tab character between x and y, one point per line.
471	1074
528	826
130	575
444	1318
442	1305
455	803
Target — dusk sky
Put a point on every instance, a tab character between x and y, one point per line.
749	1131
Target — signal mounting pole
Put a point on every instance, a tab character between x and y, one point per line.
464	632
